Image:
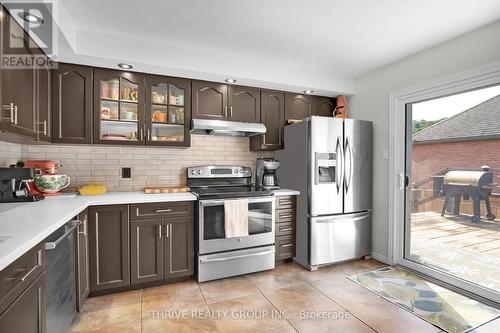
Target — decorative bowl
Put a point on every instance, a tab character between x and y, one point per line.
51	183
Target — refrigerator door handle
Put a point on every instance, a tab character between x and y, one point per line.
339	168
348	147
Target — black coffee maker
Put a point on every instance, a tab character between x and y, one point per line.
267	174
14	185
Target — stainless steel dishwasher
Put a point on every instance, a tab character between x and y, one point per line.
61	278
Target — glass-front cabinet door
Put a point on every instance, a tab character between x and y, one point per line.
167	111
119	105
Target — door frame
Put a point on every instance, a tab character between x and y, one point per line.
472	79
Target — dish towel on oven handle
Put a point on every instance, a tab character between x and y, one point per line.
236	218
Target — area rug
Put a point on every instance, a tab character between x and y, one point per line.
446	309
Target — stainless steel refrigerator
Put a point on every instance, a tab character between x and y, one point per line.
329	160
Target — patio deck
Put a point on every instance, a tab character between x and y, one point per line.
455	244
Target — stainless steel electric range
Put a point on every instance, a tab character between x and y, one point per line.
218	256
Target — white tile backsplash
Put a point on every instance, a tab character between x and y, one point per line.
150	166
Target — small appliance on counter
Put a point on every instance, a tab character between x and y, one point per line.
267	174
14	185
48	179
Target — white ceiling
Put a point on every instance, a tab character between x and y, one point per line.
286	44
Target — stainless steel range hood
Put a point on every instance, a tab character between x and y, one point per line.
227	128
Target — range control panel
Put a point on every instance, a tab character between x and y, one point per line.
219	171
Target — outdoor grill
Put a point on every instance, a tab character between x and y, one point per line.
475	185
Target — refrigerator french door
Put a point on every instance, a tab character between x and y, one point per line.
330	161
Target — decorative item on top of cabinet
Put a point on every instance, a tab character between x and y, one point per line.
285	228
244	104
298	106
272	115
324	106
209	100
118	107
72	104
168	106
109	247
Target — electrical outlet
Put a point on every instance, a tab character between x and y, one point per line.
127	172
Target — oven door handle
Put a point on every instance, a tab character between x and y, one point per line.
221	201
258	254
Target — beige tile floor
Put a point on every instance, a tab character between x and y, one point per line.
268	302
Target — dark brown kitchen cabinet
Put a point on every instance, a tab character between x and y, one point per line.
43	95
168	111
82	255
244	104
209	100
18	86
324	106
286	219
27	313
109	247
119	100
179	247
146	251
272	115
298	106
72	104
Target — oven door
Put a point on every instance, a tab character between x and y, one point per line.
211	225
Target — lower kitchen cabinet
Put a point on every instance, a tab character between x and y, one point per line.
109	247
146	246
285	219
179	247
27	313
82	256
162	241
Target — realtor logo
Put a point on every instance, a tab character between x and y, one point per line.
29	35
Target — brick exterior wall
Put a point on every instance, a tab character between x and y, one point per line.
433	157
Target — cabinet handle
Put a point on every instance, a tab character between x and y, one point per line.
158	231
279	135
286	229
285	216
285	202
225	111
10	107
15	114
168	228
141	134
163	210
149	134
25	276
231	112
287	245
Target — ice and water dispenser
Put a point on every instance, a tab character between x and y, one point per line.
325	164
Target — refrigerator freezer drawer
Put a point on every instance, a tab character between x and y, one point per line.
339	237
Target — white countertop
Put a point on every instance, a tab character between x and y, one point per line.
23	225
285	191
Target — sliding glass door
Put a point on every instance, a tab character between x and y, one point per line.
452	196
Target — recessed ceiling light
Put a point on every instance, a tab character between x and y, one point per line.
230	80
30	18
308	91
125	66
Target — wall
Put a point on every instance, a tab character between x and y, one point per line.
9	153
150	166
371	102
433	157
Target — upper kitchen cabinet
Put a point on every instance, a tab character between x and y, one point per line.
43	95
272	115
298	106
209	100
119	107
167	111
72	104
324	106
18	86
244	104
